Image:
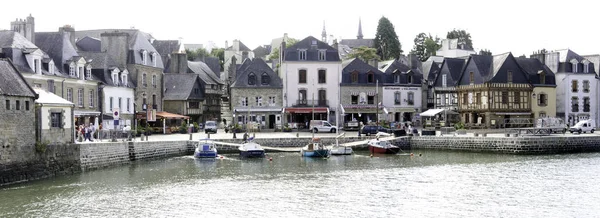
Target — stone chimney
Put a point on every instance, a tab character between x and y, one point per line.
374	63
178	63
236	45
69	32
226	44
116	45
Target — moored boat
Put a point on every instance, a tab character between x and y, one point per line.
205	148
337	149
251	149
315	149
377	146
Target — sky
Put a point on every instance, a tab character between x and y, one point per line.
520	27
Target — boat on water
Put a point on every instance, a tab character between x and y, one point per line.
377	146
315	149
337	149
205	148
250	149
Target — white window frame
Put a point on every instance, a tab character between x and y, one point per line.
271	100
397	98
120	104
244	102
259	101
302	54
80	97
128	104
154	81
444	80
72	69
154	59
144	57
322	55
144	78
70	95
88	72
51	67
91	104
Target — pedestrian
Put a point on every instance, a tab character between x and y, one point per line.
86	133
92	132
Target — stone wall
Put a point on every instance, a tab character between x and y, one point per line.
513	145
300	142
17	130
145	150
100	155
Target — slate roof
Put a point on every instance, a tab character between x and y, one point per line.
204	73
261	51
12	82
533	67
454	67
355	43
180	86
15	46
89	44
312	46
58	46
257	66
484	64
100	60
363	68
566	55
165	47
242	47
391	66
10	39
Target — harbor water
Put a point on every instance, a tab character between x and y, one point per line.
433	184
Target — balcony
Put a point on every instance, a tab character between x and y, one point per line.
310	103
194	111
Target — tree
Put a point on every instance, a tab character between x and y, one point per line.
219	53
425	46
364	53
197	54
485	52
288	43
464	38
386	41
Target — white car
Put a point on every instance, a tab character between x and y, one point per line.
583	126
322	126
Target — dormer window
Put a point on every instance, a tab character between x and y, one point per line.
444	80
251	79
370	77
574	63
542	77
115	79
88	72
302	55
509	77
124	77
265	79
322	55
72	69
409	79
154	59
144	57
354	77
37	66
471	78
396	76
51	67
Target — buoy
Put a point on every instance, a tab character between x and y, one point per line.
270	159
221	157
411	154
371	155
420	154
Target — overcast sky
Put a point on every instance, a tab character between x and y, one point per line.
519	26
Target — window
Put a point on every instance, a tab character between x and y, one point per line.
26	105
396	76
465	99
411	98
115	79
354	77
50	85
586	86
36	66
302	55
154	81
574	86
322	55
471	77
478	98
196	91
128	104
354	99
144	82
37	85
251	79
542	99
154	59
88	72
370	77
194	105
586	67
259	101
18	105
144	57
110	103
517	98
265	79
124	79
72	70
586	104
444	80
370	99
244	102
120	104
322	76
574	66
574	104
302	97
271	100
397	98
505	97
80	97
7	105
409	79
509	77
70	94
51	67
154	106
542	114
442	99
302	76
322	97
55	120
91	98
543	78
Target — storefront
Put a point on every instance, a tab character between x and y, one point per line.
298	117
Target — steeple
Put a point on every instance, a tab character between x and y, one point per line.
360	35
324	33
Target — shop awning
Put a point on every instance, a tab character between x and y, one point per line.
257	109
433	112
306	110
86	113
168	115
515	113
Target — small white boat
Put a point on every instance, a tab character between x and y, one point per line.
340	150
315	149
205	148
251	149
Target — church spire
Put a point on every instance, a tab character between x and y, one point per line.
360	35
324	33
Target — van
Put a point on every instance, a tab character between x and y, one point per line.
210	126
322	126
583	126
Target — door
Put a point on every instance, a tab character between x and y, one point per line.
272	121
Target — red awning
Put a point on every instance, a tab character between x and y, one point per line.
168	115
305	110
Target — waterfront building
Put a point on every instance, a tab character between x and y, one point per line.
236	53
543	98
430	69
452	48
256	95
445	84
54	117
18	115
403	89
311	73
493	91
359	96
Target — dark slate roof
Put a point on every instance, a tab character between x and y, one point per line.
213	64
355	43
100	60
312	46
204	72
389	67
566	55
180	86
10	39
89	44
12	82
14	46
242	47
533	67
57	45
358	65
261	51
257	66
165	47
433	72
105	77
484	64
453	67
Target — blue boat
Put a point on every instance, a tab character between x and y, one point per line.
205	149
315	149
251	149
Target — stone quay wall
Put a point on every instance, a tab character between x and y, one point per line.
100	155
154	149
511	145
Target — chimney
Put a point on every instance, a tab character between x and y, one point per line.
69	32
373	62
236	45
116	45
226	44
178	63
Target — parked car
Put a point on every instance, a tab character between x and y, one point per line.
583	126
352	126
372	129
322	126
210	126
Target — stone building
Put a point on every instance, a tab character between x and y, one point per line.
403	91
543	103
240	52
445	84
359	94
25	27
54	118
257	95
17	133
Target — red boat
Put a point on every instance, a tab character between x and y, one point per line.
382	147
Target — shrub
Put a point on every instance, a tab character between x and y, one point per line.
183	128
40	147
459	126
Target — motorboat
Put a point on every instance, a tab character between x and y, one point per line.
377	146
337	149
205	148
315	149
251	149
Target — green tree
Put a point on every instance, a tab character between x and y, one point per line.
197	54
485	52
464	38
219	53
386	41
288	43
364	53
425	46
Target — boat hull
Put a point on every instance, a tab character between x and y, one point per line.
252	154
380	150
315	153
205	154
341	151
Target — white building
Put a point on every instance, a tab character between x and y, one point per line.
118	95
402	91
452	49
311	73
55	118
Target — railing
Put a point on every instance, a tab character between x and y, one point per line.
194	111
321	103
